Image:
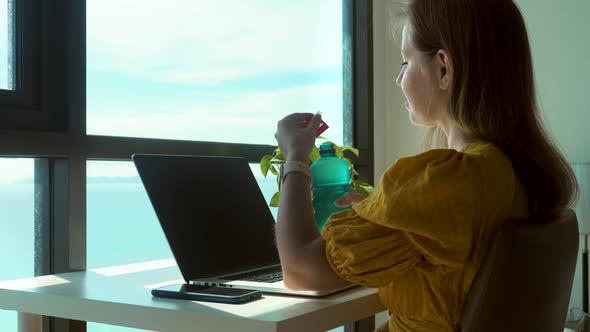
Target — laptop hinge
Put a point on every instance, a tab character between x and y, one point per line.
221	278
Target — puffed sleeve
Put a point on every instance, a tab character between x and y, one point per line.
423	211
366	253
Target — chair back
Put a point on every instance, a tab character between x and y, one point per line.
526	279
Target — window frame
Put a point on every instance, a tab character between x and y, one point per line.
52	126
20	108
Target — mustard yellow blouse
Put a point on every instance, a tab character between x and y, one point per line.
422	236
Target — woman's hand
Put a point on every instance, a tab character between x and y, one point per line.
348	199
296	135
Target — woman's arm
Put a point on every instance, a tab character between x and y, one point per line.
301	247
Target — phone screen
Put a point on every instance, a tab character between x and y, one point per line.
223	291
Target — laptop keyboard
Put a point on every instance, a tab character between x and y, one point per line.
269	275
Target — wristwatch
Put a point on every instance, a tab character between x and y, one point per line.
294	166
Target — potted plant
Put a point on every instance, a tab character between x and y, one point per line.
271	163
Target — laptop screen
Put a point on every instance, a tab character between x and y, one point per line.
212	212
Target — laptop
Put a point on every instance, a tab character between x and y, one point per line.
216	221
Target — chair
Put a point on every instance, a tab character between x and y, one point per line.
526	280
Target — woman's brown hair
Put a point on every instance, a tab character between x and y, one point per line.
493	94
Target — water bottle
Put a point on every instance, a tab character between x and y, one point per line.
330	181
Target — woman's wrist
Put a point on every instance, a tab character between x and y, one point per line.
299	158
294	166
297	155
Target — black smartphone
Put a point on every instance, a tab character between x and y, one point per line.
207	293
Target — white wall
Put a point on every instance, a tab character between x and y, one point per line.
395	136
560	37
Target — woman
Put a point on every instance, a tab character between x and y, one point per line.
421	237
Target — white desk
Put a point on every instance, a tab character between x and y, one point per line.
119	297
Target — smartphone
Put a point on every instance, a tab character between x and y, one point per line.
207	293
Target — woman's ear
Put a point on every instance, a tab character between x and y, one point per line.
444	67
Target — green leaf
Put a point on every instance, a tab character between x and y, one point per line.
314	155
278	154
351	149
265	164
354	172
274	170
274	201
362	187
277	161
320	137
359	189
364	183
338	151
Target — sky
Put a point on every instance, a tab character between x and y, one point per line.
223	70
226	70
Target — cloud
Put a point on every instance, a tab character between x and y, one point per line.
112	169
213	41
14	170
246	118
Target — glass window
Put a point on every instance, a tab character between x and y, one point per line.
17	224
122	225
6	43
223	70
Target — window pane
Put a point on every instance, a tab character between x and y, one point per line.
16	222
224	70
6	45
122	226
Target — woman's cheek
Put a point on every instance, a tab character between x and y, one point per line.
404	86
407	89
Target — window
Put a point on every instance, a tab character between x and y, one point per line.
88	101
20	57
6	46
220	71
122	226
17	224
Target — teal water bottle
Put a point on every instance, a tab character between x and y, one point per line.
330	181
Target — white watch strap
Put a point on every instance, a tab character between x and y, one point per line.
295	166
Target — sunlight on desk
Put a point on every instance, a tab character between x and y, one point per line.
36	282
136	267
165	283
